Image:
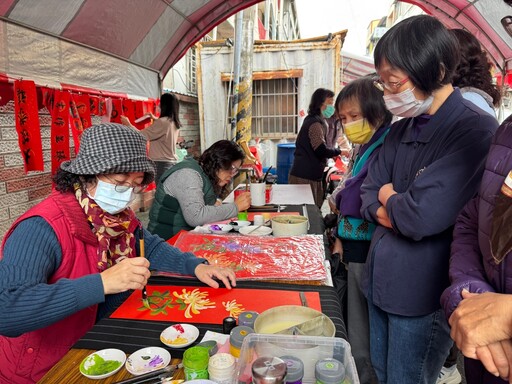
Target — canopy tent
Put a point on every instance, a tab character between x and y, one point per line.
137	40
152	35
480	17
355	66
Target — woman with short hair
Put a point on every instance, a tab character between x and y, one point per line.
428	167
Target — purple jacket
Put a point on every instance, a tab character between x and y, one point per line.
471	264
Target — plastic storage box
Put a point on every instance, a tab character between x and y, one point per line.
309	349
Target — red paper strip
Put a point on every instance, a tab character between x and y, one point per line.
139	112
298	258
60	129
206	305
83	108
117	110
76	123
129	109
27	125
94	105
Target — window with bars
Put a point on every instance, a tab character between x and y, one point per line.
274	108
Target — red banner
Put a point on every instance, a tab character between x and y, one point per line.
117	111
94	105
60	129
84	111
27	125
206	305
76	123
129	109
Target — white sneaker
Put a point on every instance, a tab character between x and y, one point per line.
449	376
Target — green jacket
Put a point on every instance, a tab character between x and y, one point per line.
166	217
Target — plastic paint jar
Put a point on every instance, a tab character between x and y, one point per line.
228	324
195	363
221	368
329	371
268	370
247	318
236	338
294	369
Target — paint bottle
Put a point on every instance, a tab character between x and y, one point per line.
221	368
294	369
329	371
236	338
195	363
228	324
268	370
248	318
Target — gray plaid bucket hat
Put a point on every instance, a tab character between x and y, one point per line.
111	148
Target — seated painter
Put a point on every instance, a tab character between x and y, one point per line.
71	259
188	193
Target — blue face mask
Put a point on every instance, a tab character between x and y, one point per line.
110	200
328	111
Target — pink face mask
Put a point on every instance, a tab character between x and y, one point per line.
405	104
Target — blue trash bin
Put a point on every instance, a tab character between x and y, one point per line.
285	154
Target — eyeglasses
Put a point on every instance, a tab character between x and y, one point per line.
391	86
121	187
234	170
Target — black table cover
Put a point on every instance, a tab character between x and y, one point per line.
131	335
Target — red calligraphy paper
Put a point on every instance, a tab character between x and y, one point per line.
76	123
129	109
94	105
27	125
117	110
139	112
83	108
297	258
60	129
206	305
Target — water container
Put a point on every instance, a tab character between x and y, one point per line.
284	161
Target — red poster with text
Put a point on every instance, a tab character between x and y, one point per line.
27	125
60	129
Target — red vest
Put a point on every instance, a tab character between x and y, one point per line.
25	359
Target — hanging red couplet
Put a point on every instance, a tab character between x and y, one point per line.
117	111
60	129
83	108
94	105
76	123
27	125
129	109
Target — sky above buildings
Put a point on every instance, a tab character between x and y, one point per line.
319	17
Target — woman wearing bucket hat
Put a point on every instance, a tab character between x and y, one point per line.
70	259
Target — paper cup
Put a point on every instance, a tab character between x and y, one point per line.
258	194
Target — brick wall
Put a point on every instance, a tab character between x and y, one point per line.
20	191
189	117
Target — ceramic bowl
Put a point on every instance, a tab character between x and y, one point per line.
237	224
179	335
147	359
219	229
251	230
102	364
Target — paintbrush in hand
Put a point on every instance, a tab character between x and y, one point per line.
141	254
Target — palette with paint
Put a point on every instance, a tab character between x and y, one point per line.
179	335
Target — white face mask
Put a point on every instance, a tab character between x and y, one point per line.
405	104
110	200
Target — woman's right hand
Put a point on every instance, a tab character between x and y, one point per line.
130	273
243	201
